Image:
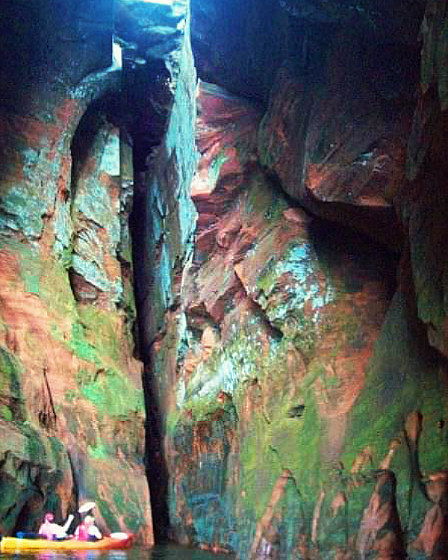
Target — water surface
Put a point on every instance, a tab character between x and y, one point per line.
160	552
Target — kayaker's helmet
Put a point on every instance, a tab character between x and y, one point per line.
49	517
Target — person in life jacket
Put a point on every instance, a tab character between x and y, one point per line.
87	530
52	531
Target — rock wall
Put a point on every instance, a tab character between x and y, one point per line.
288	266
72	405
279	317
97	157
306	416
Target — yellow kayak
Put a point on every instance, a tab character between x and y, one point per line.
13	544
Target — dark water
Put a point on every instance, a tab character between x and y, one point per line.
165	552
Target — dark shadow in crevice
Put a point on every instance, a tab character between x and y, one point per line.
155	464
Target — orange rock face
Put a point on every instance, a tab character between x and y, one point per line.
282	315
380	530
71	402
433	537
347	161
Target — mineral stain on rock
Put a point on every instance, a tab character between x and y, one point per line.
223	273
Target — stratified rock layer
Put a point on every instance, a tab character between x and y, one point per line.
71	395
290	350
309	402
295	385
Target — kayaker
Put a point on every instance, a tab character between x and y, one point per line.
88	531
52	531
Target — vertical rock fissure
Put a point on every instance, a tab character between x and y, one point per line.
147	129
158	84
156	471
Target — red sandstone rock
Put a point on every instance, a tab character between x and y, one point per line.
380	531
331	146
433	537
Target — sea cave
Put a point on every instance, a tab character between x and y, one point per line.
223	262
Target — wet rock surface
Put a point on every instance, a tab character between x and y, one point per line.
288	266
71	394
289	318
279	319
337	142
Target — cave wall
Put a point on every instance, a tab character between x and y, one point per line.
307	356
97	160
288	265
72	406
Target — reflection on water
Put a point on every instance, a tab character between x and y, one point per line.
171	552
165	552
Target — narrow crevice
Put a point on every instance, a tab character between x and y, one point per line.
155	464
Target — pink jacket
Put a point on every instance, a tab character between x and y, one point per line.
82	533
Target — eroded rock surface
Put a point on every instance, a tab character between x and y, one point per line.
278	320
71	394
380	534
287	318
336	141
294	381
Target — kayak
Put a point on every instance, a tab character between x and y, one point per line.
13	544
